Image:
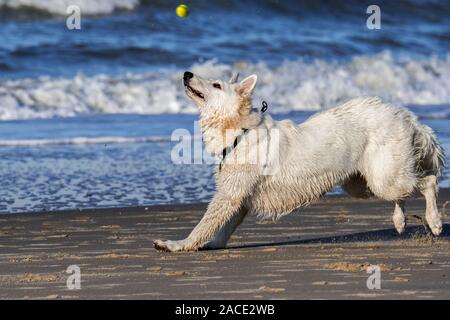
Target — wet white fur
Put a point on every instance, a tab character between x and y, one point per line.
365	145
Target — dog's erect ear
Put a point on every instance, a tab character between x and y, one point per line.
247	85
234	77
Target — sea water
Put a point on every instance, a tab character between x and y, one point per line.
86	116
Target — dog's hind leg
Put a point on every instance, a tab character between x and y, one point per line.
428	187
399	216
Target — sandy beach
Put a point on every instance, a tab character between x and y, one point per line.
321	252
111	114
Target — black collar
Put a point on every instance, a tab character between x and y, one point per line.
238	139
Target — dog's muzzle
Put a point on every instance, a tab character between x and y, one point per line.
187	76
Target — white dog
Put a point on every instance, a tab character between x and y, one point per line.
366	146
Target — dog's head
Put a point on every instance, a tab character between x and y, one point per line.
225	99
225	108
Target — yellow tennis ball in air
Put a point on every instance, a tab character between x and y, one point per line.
182	10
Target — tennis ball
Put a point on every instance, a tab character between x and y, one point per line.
182	10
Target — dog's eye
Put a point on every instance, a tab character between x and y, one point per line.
217	85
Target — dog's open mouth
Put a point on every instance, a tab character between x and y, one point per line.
195	92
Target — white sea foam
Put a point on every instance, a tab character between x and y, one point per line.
82	140
86	140
59	7
294	85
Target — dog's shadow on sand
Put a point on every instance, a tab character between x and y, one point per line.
412	232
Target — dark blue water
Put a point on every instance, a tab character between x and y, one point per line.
86	115
151	36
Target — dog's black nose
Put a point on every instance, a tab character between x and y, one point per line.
188	75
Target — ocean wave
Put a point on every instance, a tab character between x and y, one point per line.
59	7
291	86
82	141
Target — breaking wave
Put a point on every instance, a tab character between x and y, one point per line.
59	7
87	140
81	141
291	86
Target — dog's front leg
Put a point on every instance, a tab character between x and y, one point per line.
223	215
224	234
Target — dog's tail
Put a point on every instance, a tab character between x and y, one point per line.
430	153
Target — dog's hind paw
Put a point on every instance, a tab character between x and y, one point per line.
436	228
400	225
434	222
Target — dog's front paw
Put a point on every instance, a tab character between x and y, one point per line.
172	246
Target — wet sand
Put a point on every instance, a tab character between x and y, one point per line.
321	252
